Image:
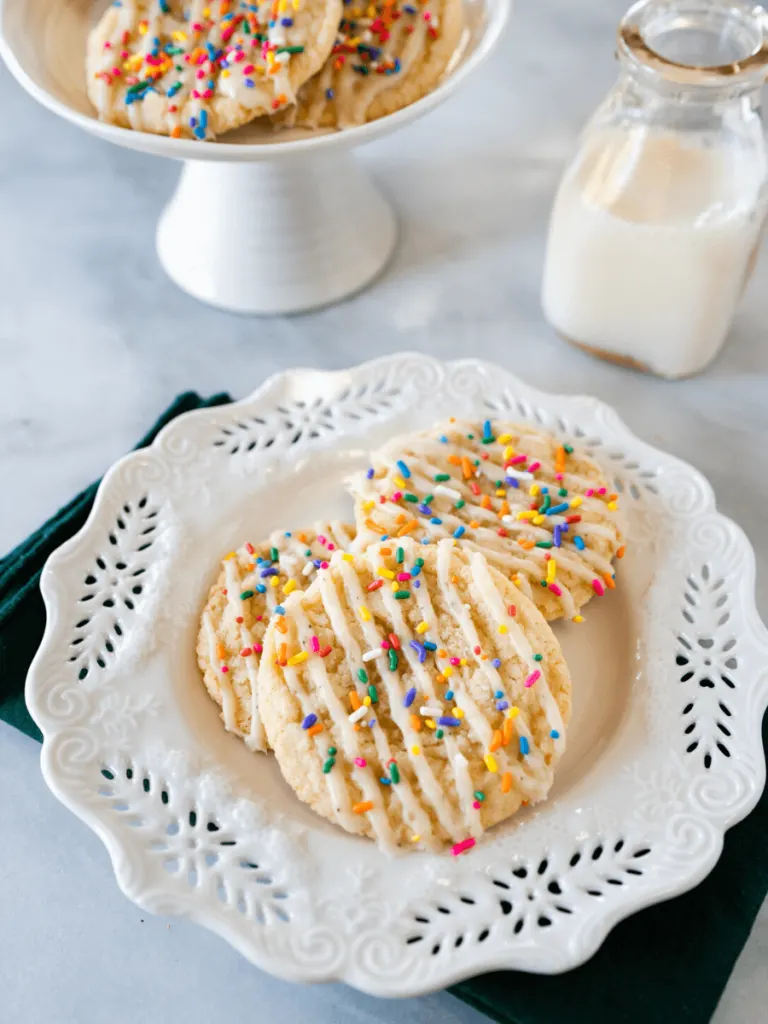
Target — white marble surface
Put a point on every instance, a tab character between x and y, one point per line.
94	342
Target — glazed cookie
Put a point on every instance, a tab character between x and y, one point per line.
386	56
253	581
541	511
412	694
201	67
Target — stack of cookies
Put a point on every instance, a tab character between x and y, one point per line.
402	669
197	68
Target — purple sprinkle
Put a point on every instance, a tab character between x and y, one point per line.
417	584
425	510
268	572
372	723
369	474
309	721
449	721
502	705
287	22
421	649
556	538
410	697
512	481
496	662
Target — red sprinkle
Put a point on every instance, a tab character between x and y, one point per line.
512	610
246	651
239	619
250	548
476	650
573	519
502	532
473	487
324	652
393	639
375	585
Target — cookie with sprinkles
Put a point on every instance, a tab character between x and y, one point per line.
197	68
253	582
413	695
386	55
540	510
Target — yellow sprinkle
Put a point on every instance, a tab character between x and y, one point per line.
296	4
226	73
415	839
367	701
612	505
274	581
464	662
422	627
509	451
534	489
180	37
537	520
513	712
504	438
415	749
526	515
490	763
575	502
289	587
143	28
394	586
368	505
282	6
386	573
447	671
229	556
502	628
296	659
430	722
578	618
365	615
206	12
458	712
551	570
399	482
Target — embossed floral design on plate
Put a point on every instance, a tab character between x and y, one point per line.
664	753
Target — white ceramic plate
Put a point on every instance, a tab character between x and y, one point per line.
664	753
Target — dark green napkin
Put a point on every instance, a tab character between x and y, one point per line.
669	963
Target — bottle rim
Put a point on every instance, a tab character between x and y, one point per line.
635	45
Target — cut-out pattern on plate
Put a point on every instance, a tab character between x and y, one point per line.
708	664
113	586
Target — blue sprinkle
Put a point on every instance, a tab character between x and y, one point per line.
555	734
524	745
287	22
579	543
459	532
442	437
309	721
415	570
385	782
449	720
268	572
498	695
545	490
384	536
288	533
496	662
425	510
557	509
556	538
426	540
192	122
487	432
410	697
449	694
512	481
430	646
403	469
317	562
502	705
369	473
421	649
260	561
329	94
279	610
435	521
261	589
174	89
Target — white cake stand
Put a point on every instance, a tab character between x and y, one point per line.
261	222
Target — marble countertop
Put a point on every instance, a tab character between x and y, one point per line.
94	341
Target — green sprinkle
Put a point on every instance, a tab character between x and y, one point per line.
543	583
419	562
328	765
470	437
290	49
392	659
401	595
538	657
246	594
499	483
274	554
429	499
440	478
562	492
394	773
331	751
488	440
308	553
372	694
568	449
460	503
362	675
400	556
479	795
545	504
543	543
438	734
477	462
410	497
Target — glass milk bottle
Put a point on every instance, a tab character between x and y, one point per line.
658	219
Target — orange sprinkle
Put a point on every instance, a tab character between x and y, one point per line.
466	468
401	518
620	552
560	460
504	510
373	525
441	653
282	657
281	625
506	782
363	806
527	544
506	733
474	524
613	497
302	537
485	501
354	700
221	651
385	551
176	131
454	460
609	581
454	579
496	741
407	528
313	730
416	723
